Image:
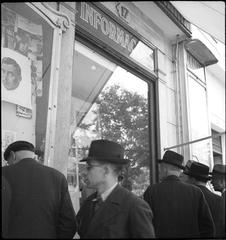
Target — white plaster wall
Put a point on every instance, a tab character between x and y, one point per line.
167	98
23	127
140	23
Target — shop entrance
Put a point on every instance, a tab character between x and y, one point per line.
108	102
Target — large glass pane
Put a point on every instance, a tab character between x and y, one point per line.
144	55
199	124
26	50
111	103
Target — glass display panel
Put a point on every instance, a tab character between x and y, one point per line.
26	47
111	103
199	124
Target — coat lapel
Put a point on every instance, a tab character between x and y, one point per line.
107	211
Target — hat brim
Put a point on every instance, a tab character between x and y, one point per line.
204	177
217	173
179	166
110	160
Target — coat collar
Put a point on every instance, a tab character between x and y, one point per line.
28	160
110	208
171	178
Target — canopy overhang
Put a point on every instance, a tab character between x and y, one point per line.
209	16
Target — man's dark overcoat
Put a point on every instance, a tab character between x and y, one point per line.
179	210
41	206
122	215
223	215
214	202
6	200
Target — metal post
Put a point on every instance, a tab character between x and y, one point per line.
197	140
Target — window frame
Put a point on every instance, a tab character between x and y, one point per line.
151	79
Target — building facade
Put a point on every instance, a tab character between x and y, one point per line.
124	71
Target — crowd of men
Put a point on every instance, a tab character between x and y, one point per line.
36	202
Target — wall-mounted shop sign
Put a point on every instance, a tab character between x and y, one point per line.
103	27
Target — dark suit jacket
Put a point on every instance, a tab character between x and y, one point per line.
223	227
179	209
214	202
41	206
122	215
6	200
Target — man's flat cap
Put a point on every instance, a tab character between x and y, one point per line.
18	146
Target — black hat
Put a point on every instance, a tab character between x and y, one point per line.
172	158
197	170
219	169
107	151
18	146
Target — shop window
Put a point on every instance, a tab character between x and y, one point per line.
26	49
111	103
199	124
217	148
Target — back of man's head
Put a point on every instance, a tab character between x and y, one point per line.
196	180
19	150
169	170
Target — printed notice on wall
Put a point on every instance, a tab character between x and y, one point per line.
8	137
15	78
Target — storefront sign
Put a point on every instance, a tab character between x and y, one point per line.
93	20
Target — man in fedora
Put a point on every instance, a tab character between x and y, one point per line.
112	211
40	206
218	182
198	174
179	209
218	178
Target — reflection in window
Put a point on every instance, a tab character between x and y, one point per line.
143	55
199	121
195	67
217	148
110	103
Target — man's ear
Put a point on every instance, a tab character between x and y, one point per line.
12	157
222	181
106	169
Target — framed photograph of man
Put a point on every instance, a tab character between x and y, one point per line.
15	78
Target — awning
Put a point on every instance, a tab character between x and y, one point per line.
209	16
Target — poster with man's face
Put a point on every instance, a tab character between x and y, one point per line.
15	78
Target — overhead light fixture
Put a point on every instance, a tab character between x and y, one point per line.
200	52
